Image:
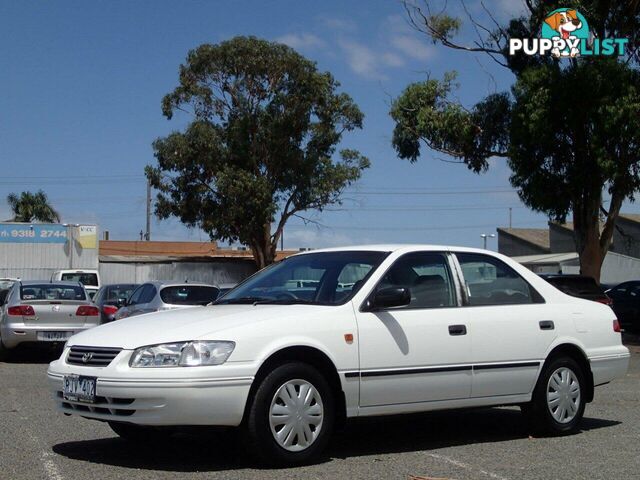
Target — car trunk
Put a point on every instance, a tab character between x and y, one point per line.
55	313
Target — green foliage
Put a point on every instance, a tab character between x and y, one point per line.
29	207
265	128
570	129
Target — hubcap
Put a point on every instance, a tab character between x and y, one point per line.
296	415
563	395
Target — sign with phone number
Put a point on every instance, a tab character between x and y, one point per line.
12	233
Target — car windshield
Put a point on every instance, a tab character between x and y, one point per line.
189	295
323	278
51	292
90	279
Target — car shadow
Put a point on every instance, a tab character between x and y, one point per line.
374	436
34	354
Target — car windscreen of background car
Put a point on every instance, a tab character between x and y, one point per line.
189	295
90	279
51	292
577	285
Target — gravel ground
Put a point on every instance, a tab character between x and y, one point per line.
38	443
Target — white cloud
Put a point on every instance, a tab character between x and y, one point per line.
301	40
366	61
341	24
412	46
361	59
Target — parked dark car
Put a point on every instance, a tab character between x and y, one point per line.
109	298
579	286
626	304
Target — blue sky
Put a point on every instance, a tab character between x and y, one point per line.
82	82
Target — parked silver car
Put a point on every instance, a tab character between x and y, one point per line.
43	311
154	296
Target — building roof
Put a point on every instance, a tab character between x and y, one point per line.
631	217
538	237
546	258
153	251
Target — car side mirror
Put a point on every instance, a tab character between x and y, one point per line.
389	298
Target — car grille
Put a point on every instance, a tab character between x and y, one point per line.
119	407
92	356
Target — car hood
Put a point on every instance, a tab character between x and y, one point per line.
208	323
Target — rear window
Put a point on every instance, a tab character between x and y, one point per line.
90	279
189	295
576	285
120	292
52	292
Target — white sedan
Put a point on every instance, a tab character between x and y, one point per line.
332	334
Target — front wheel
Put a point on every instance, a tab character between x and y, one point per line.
290	419
558	400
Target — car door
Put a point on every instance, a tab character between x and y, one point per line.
147	295
420	352
509	325
134	301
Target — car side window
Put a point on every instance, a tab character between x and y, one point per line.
490	281
134	299
148	292
426	275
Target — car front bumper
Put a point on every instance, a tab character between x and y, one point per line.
176	396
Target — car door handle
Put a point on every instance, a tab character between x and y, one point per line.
457	330
547	325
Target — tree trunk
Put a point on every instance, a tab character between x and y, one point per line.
263	249
586	231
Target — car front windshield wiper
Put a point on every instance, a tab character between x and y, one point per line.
240	300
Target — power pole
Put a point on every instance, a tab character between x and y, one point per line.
147	235
510	211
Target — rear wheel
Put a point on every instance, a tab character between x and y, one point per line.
291	417
558	400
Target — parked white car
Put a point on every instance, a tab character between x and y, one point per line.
384	330
89	278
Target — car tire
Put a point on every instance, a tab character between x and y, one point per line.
310	402
133	433
558	400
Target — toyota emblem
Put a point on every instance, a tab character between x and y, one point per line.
87	357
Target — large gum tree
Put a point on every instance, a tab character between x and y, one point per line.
569	129
260	146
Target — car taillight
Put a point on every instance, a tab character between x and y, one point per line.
616	326
87	311
109	309
23	310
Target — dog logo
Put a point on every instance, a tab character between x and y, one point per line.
568	25
565	34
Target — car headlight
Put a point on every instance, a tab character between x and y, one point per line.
182	354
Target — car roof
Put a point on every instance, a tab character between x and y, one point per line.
163	283
49	282
394	247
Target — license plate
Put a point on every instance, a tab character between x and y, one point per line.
54	336
78	388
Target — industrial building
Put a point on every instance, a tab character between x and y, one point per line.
552	249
